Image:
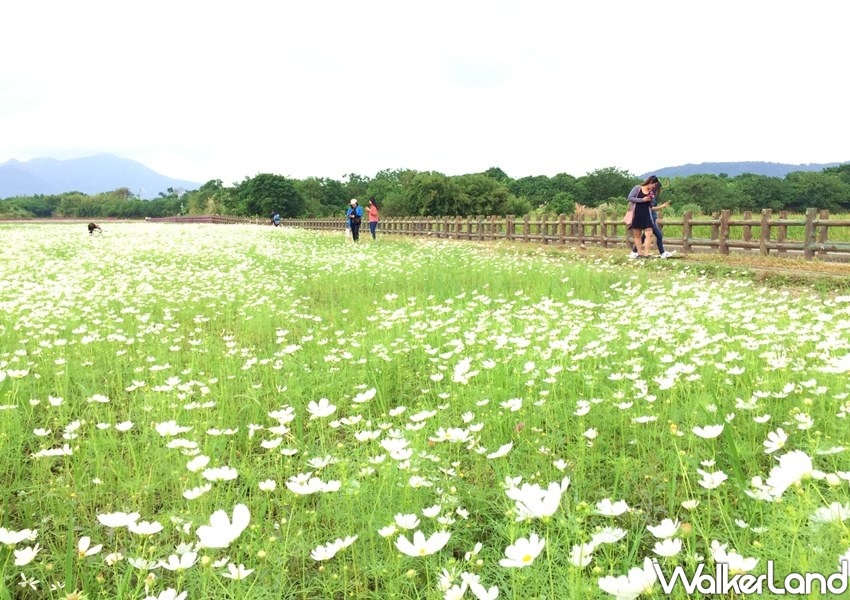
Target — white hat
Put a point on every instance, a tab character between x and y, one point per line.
354	201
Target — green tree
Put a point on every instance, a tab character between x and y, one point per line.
433	194
708	191
760	191
817	190
356	186
562	203
390	189
322	197
265	194
478	195
596	187
497	174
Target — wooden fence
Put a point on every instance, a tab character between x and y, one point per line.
807	236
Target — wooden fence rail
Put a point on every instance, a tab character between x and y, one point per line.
809	236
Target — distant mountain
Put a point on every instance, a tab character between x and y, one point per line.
90	175
733	169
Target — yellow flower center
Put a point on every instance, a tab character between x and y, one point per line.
527	558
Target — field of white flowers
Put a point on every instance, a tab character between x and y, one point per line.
195	411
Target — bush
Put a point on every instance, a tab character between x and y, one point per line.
517	206
696	209
613	207
561	204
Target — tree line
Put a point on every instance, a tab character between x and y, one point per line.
428	193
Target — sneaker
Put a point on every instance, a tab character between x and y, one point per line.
668	254
633	255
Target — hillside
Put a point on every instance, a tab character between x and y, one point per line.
733	169
89	175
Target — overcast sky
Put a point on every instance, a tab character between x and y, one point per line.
202	90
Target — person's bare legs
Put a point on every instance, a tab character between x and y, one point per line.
647	242
636	239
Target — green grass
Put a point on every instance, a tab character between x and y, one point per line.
592	368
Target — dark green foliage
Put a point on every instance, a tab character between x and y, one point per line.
406	192
266	194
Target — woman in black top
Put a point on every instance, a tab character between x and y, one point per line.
641	198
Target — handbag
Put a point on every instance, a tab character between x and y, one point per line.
629	214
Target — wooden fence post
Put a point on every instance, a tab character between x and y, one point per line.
562	228
686	231
509	227
748	229
764	234
723	244
544	229
603	230
715	226
809	243
782	232
823	232
581	229
525	228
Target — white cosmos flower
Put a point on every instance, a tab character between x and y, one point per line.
84	547
737	563
422	546
834	513
328	551
708	432
712	480
179	563
775	441
364	396
117	519
198	463
792	468
387	531
322	408
666	529
636	582
170	428
237	572
144	527
607	535
611	509
113	558
523	552
197	492
220	474
502	451
222	531
168	594
268	485
581	555
25	556
407	521
668	547
532	502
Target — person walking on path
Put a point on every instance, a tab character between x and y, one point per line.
354	214
656	230
372	209
640	198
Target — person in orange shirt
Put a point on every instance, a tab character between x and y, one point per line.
372	209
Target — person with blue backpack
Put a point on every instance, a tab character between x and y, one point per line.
354	214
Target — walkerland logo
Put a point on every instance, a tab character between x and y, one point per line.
721	582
